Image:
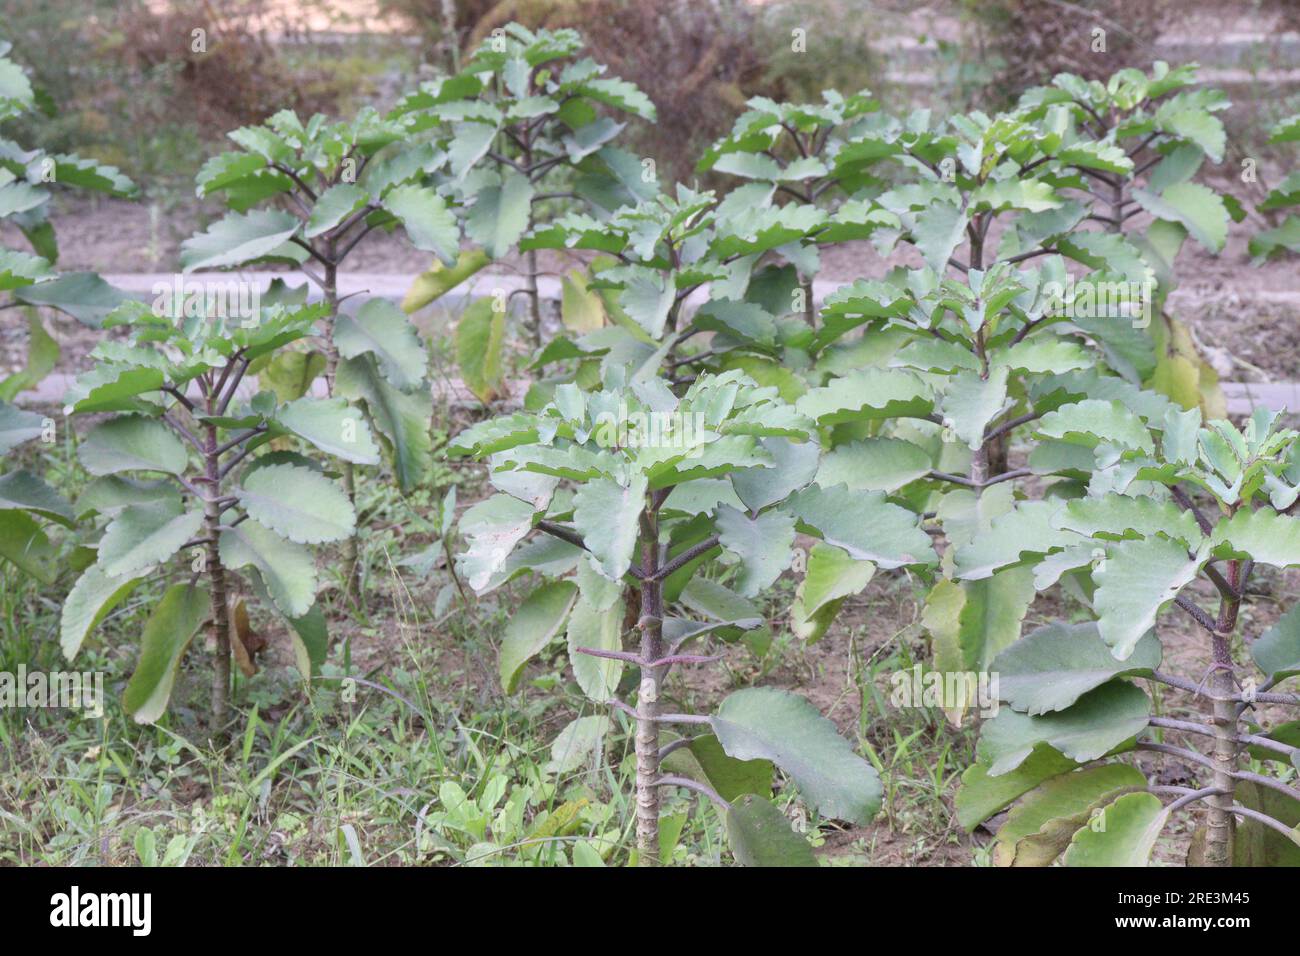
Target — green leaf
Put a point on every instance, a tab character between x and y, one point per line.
760	835
298	503
242	238
1253	843
142	536
42	354
22	491
480	348
608	516
873	464
439	279
763	545
938	232
402	418
112	388
333	206
288	570
24	543
1197	207
290	374
430	225
333	426
167	634
493	527
1286	130
1262	534
1092	421
832	575
1134	582
776	725
981	795
620	94
18	426
1277	650
1053	666
501	214
1025	533
972	621
971	402
793	465
91	599
1113	516
575	745
532	626
582	309
598	629
865	525
1044	354
705	760
1124	834
310	641
381	328
132	443
868	394
470	143
111	494
1038	830
1098	723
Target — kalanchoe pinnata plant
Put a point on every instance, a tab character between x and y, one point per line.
665	251
1184	504
526	121
29	279
25	180
657	519
790	153
27	503
192	492
308	194
1285	237
1158	131
945	369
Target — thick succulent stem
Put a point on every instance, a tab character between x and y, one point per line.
533	296
217	575
351	563
1218	840
647	704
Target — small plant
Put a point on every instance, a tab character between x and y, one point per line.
308	194
670	496
1285	196
521	125
29	279
791	152
1160	130
1183	503
662	252
25	180
216	501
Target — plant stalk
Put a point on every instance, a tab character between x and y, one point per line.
647	701
1218	839
217	575
351	562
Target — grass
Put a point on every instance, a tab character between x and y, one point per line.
404	750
